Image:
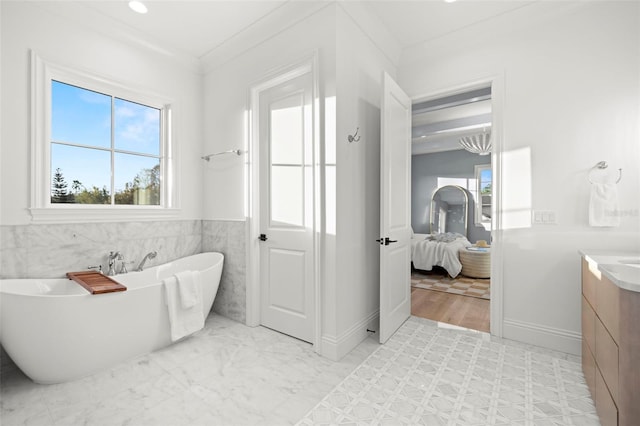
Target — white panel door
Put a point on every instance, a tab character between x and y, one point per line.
395	205
286	208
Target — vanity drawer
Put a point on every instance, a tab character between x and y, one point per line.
589	369
608	306
607	359
605	407
588	325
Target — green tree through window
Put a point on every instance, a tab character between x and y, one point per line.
59	192
108	148
143	190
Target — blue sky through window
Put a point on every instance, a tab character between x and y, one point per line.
91	167
80	116
137	127
485	179
84	117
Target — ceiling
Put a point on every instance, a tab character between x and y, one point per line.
413	22
201	27
193	27
438	124
206	31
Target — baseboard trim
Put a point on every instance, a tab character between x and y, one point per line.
335	347
540	335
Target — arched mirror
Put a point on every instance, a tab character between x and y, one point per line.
449	207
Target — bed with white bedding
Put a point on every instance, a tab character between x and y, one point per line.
429	250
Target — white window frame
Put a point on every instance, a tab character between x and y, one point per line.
478	171
43	73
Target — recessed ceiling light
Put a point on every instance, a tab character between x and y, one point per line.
138	6
449	1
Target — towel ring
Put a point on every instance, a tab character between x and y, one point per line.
601	165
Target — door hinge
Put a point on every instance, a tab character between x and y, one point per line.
262	237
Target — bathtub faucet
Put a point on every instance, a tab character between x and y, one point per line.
150	255
112	262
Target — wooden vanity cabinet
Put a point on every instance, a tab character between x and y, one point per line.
611	347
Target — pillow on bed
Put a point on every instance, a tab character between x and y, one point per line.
446	237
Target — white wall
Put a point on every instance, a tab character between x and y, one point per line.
350	77
226	104
59	39
571	77
360	63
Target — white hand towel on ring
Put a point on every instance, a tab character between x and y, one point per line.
603	205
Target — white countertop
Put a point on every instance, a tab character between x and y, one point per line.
621	267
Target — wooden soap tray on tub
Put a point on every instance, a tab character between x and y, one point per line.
95	282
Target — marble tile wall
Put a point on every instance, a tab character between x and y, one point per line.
228	238
51	250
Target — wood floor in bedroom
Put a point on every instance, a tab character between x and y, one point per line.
463	311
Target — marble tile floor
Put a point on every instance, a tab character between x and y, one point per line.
229	374
433	374
226	374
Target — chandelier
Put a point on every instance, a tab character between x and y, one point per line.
478	144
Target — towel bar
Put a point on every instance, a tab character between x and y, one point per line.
231	151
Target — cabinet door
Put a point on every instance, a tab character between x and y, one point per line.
629	358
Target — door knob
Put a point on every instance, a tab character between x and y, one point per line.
262	237
386	241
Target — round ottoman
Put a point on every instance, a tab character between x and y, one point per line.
476	263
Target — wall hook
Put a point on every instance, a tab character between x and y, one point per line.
354	138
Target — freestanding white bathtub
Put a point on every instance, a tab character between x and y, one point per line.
56	331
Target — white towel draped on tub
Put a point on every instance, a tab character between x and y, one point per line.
188	285
603	205
184	320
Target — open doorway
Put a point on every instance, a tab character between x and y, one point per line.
451	208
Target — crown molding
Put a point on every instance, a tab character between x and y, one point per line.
87	18
269	26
